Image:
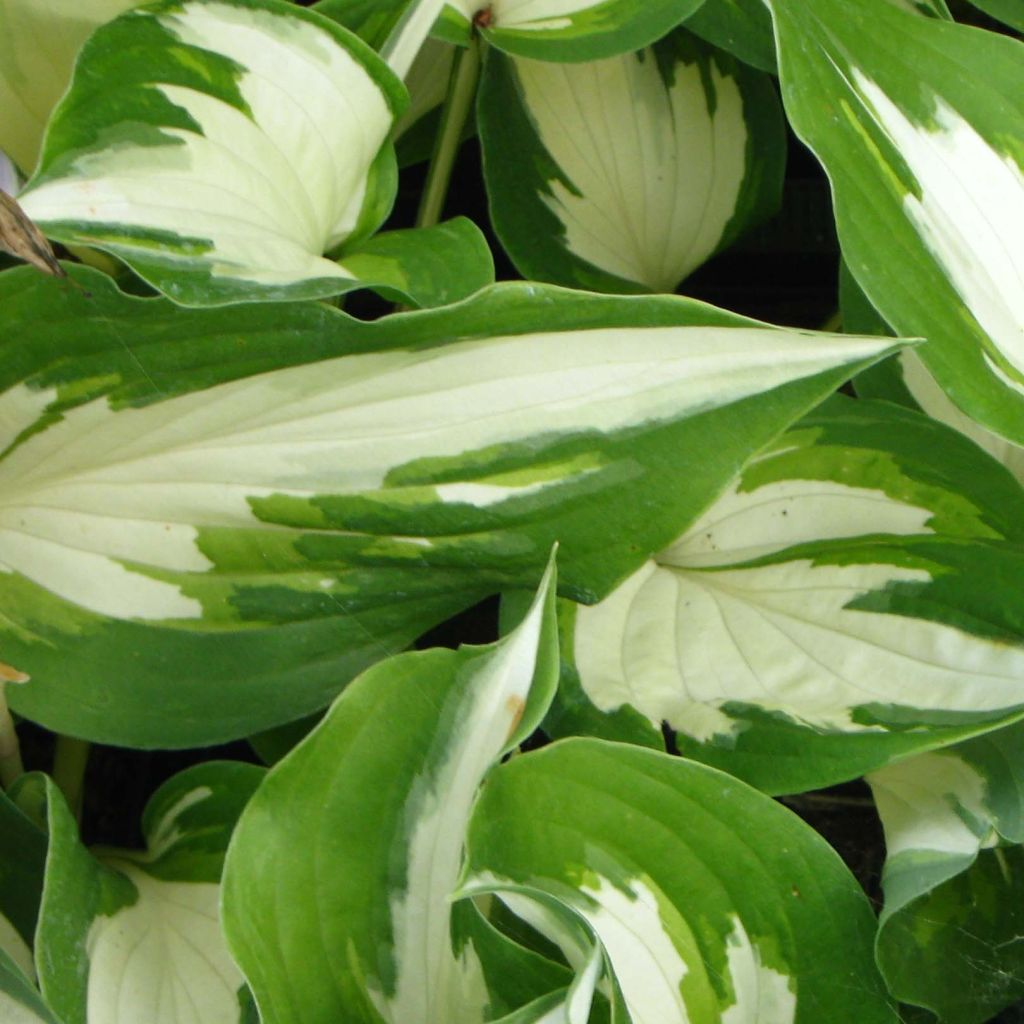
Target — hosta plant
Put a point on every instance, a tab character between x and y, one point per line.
531	610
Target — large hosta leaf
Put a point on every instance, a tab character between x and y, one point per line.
712	903
566	30
954	877
127	937
338	883
39	40
916	121
220	147
849	600
625	174
743	27
211	520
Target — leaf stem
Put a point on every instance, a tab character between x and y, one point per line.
11	767
457	105
69	761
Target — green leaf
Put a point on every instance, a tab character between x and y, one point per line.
370	939
849	600
220	147
39	40
1009	12
954	891
22	858
568	30
742	27
214	519
908	114
586	193
20	1003
425	267
905	379
127	937
710	901
371	20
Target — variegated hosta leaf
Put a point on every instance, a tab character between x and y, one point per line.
712	903
742	27
39	40
339	879
906	380
127	937
954	888
220	147
915	120
565	30
850	599
211	520
371	20
625	174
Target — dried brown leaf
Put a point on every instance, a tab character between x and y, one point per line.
21	238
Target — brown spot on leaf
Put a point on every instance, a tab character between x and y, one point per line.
483	18
515	707
11	675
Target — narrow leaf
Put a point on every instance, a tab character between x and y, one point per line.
908	114
371	938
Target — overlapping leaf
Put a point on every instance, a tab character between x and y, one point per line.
338	883
126	937
954	877
565	30
39	40
742	27
211	520
220	147
849	600
625	174
916	121
711	903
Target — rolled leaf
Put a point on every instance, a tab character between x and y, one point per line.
212	520
39	40
847	601
711	902
220	147
954	877
127	937
909	115
372	938
566	30
586	192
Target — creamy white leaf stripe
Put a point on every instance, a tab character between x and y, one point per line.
268	192
969	213
927	803
656	168
99	495
934	401
526	14
762	994
163	959
39	40
678	641
431	982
